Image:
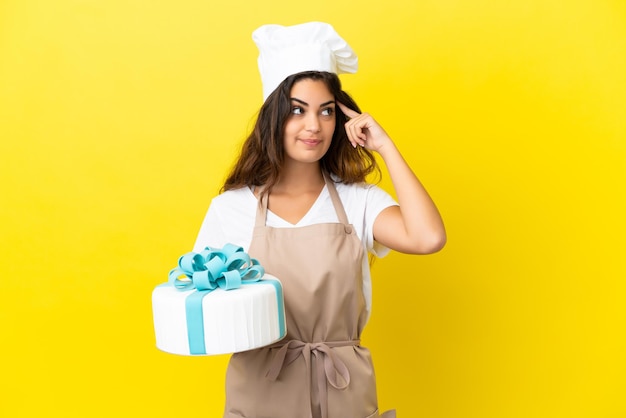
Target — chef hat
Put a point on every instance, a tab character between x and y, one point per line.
312	46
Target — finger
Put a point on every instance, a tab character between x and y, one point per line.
355	132
352	134
359	126
347	111
351	137
349	126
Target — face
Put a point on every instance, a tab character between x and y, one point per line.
310	127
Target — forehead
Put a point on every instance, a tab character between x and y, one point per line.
315	91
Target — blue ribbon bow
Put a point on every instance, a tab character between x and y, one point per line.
227	268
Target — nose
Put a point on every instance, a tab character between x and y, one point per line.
313	123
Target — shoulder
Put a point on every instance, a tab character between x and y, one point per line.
230	219
235	195
231	199
233	204
362	193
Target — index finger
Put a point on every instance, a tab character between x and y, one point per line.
347	111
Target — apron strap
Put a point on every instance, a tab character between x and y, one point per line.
334	196
261	210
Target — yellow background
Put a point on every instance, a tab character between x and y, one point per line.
119	118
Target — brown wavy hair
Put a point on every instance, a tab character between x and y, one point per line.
262	155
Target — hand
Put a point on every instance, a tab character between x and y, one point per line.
417	228
363	130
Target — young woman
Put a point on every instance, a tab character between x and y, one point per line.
297	201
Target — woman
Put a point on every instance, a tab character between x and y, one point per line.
297	200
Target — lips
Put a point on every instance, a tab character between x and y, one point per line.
310	141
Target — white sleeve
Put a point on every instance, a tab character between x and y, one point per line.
377	200
211	233
229	220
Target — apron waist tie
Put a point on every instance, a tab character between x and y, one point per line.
329	367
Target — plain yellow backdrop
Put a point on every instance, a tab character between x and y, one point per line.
119	119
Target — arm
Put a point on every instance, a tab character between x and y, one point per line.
415	227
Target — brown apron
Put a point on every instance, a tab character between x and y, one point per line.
320	369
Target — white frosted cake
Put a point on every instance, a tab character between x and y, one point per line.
227	321
218	301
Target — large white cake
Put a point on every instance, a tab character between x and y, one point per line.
223	321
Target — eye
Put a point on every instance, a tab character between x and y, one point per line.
297	110
328	111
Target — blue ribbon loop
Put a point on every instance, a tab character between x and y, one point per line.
226	268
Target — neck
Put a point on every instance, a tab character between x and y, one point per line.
300	177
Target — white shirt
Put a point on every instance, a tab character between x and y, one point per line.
231	217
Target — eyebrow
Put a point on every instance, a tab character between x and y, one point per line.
302	102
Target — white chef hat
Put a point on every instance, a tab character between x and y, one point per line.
312	46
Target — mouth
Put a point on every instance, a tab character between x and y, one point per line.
310	141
